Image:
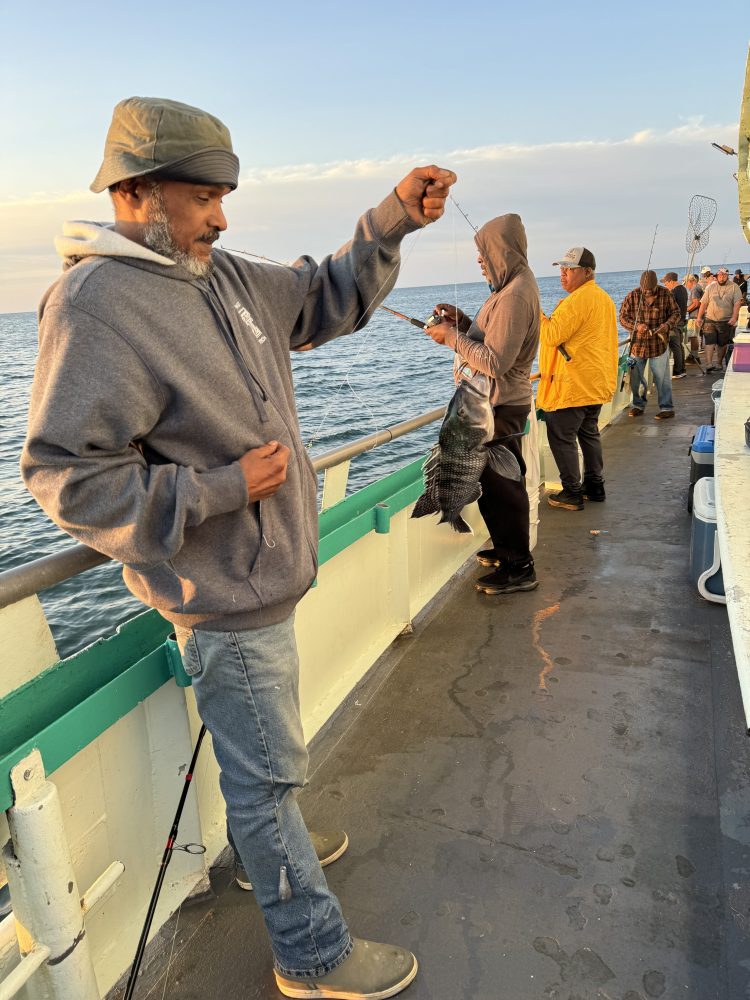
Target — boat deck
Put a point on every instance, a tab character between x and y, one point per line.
546	794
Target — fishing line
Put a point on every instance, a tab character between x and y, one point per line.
257	256
345	381
171	952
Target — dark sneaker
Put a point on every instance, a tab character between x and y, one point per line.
635	411
372	971
566	499
508	579
329	847
680	375
664	415
488	557
594	491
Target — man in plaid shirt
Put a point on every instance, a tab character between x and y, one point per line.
651	314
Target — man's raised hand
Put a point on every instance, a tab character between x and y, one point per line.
423	192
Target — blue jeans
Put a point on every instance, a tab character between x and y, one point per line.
246	687
660	370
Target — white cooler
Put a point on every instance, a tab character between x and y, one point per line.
705	560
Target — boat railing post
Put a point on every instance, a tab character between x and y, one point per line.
43	889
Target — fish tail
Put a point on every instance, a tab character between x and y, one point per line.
457	523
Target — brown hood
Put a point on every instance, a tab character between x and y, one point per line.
502	244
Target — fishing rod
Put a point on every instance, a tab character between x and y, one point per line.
433	320
420	324
166	858
629	344
463	213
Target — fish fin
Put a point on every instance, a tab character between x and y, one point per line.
503	462
426	504
431	463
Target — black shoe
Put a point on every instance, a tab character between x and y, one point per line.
329	847
593	491
664	415
509	579
566	499
488	557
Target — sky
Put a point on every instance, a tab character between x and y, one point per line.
593	121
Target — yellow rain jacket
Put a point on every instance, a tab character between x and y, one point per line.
585	322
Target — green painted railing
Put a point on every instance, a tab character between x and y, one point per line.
70	704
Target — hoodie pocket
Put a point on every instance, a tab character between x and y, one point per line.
211	574
284	567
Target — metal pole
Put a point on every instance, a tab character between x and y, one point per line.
46	900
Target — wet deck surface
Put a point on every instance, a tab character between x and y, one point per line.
546	794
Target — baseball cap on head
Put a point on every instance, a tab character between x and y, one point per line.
723	270
150	135
706	270
576	257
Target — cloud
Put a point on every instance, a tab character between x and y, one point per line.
608	194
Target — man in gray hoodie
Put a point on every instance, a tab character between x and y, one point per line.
163	432
502	342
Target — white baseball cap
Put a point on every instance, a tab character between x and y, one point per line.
576	257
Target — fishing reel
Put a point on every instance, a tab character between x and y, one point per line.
434	319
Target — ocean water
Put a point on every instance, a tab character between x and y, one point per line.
388	372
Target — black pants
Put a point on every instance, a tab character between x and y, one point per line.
675	346
568	428
504	504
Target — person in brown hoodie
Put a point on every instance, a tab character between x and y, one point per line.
501	341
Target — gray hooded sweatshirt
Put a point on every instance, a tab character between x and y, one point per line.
149	386
503	340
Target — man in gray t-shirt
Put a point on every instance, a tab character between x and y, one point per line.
719	311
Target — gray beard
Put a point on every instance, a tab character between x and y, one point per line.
158	237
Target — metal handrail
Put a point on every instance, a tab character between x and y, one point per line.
41	574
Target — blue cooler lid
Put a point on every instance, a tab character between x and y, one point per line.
703	442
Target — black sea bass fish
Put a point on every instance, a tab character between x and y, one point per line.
453	467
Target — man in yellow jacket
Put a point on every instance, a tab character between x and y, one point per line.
577	374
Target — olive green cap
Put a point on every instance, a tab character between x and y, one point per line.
153	135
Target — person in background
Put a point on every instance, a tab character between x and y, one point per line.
163	432
741	280
707	277
650	313
695	291
718	314
577	374
676	337
501	342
